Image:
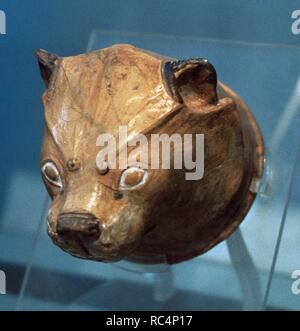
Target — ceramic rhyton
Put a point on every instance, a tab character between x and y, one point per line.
137	212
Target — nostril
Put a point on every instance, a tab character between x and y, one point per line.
71	226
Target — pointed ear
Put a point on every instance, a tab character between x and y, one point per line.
191	79
47	63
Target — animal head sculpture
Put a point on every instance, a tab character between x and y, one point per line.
108	213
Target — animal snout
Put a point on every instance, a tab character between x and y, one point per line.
78	225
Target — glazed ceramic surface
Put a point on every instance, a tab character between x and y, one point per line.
143	214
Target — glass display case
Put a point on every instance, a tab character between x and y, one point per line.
250	270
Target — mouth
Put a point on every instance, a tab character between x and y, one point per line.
88	237
96	251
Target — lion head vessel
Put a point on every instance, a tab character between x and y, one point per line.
137	212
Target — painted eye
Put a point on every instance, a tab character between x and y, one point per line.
51	174
133	177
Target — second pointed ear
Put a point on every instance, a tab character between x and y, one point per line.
190	79
47	63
